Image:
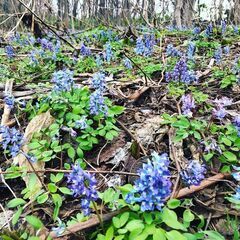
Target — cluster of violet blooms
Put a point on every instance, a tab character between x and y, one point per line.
181	73
85	51
10	51
63	80
97	101
172	51
83	185
194	173
219	111
188	105
145	45
153	185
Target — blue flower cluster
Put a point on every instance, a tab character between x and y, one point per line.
209	30
108	52
99	81
63	80
172	51
237	124
236	30
223	27
181	73
196	30
153	185
82	123
83	185
236	176
9	100
9	51
218	55
46	44
212	146
85	51
127	63
226	50
97	103
191	50
194	173
188	104
219	111
145	45
99	60
12	140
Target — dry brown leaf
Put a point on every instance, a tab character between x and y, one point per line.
39	122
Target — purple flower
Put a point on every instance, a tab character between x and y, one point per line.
149	45
140	46
99	81
194	173
181	73
85	51
33	57
213	146
223	27
172	51
108	52
97	103
188	104
218	55
236	29
9	51
236	196
237	124
9	100
153	185
63	80
99	60
12	140
82	123
209	30
127	63
196	30
219	111
46	44
83	185
191	50
224	101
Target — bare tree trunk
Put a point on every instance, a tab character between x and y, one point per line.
236	11
177	20
188	12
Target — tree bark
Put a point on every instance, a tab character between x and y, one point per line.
236	11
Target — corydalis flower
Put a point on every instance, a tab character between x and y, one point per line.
9	100
218	55
9	51
226	50
140	46
188	104
223	27
82	123
108	52
97	103
99	60
212	146
99	81
172	51
196	30
145	46
194	173
219	111
153	185
83	185
46	44
12	140
85	51
63	80
181	73
191	50
236	123
209	30
127	63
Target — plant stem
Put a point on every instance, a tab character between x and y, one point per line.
98	215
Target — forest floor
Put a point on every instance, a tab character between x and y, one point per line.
148	119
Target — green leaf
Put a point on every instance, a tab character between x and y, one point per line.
116	110
169	217
71	152
173	203
182	123
34	145
197	135
109	233
109	136
120	237
42	198
148	217
159	234
34	221
231	157
65	190
80	152
175	235
188	216
15	202
52	187
214	235
134	224
124	218
226	141
116	222
56	178
16	215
